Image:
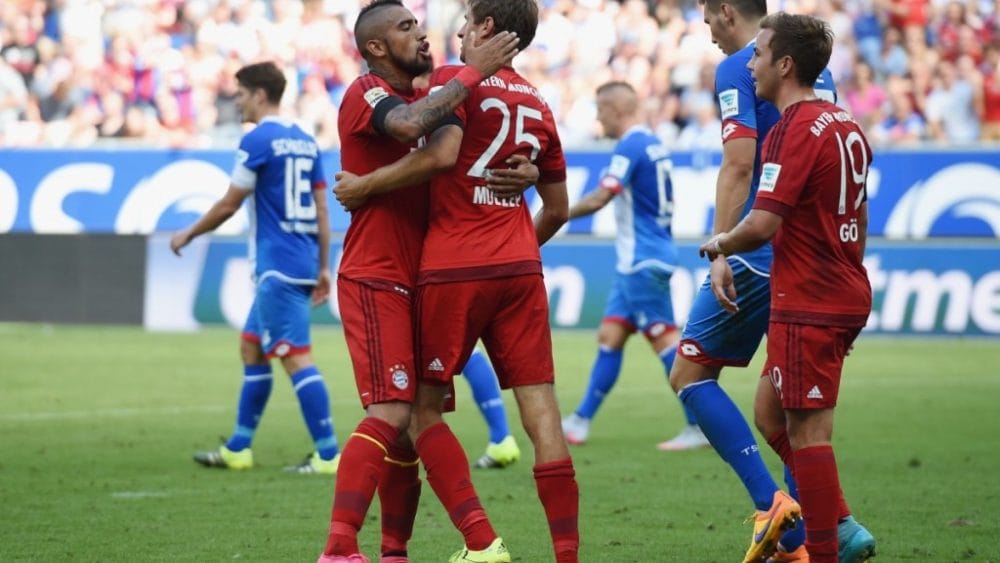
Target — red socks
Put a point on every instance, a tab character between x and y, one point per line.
448	474
399	495
560	496
361	463
819	494
779	443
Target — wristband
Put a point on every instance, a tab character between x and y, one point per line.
469	77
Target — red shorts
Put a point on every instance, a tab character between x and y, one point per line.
511	315
804	363
378	326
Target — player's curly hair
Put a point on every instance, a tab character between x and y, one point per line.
266	76
807	40
518	16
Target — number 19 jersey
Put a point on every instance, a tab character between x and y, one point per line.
472	233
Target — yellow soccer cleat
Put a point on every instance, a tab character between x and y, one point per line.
313	464
495	553
499	455
226	458
770	524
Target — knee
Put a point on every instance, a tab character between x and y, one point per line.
251	353
685	372
395	413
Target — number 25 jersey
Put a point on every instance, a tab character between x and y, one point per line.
472	233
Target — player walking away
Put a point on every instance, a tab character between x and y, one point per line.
714	338
278	166
639	175
380	121
812	203
480	276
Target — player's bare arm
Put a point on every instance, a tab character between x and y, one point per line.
222	210
554	212
408	122
437	156
591	203
732	187
321	292
520	175
758	227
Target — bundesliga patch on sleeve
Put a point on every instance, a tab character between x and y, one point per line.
241	157
619	166
729	103
769	176
375	95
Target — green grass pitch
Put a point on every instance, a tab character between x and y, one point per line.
97	427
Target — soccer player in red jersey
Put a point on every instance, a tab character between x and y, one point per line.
380	120
480	276
813	203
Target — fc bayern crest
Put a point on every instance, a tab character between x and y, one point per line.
400	378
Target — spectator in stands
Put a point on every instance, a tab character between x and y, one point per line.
864	97
951	109
990	129
903	125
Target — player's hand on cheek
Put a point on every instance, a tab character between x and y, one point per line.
349	191
513	181
723	288
491	55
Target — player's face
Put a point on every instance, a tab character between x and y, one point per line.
406	43
468	26
717	25
607	115
762	67
246	104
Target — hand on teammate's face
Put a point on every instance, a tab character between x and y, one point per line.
512	181
491	55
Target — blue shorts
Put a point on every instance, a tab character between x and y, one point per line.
714	337
279	318
641	301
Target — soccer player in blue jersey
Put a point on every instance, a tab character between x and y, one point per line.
278	167
638	181
714	338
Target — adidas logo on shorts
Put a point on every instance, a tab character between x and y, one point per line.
435	365
814	393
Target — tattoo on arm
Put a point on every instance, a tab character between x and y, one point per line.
429	111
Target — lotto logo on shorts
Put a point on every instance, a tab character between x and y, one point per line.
400	378
282	350
690	349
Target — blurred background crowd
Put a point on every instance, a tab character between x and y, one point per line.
160	72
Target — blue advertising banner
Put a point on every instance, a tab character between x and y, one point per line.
919	288
913	194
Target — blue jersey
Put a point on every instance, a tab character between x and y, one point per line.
639	175
745	115
280	164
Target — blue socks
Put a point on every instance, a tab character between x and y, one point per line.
257	382
729	434
667	357
315	404
603	376
486	392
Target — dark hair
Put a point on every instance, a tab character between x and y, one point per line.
519	16
613	85
746	8
360	38
266	76
807	40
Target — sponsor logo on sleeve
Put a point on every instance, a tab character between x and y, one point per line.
375	95
729	103
241	157
769	176
619	166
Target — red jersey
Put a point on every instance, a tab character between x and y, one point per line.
472	233
385	236
814	166
991	97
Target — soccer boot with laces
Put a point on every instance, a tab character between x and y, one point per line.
769	524
855	543
313	464
800	555
499	455
226	458
576	429
691	437
496	552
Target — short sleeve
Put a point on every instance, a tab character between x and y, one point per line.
250	156
359	104
439	78
621	167
735	92
318	177
788	157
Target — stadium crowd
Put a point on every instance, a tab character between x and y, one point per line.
160	72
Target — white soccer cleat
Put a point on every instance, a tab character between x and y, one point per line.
576	429
691	437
